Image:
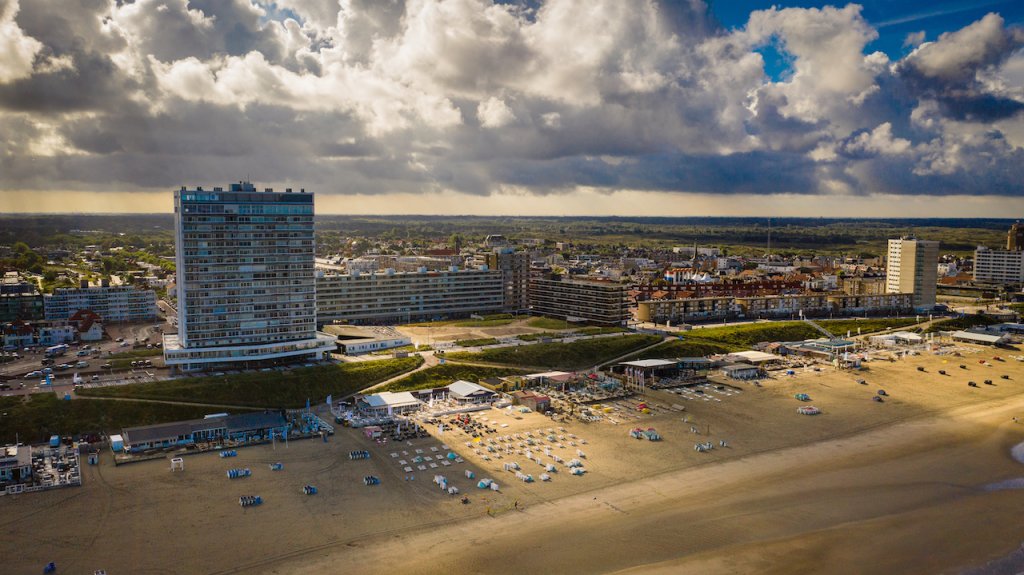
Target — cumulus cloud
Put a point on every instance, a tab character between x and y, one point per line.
482	96
17	51
494	113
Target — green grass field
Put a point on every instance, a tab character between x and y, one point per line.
575	355
493	320
442	375
542	322
477	342
683	348
268	389
740	337
968	321
43	415
726	339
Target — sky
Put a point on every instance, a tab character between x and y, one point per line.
522	107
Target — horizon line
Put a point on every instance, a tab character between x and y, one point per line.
171	213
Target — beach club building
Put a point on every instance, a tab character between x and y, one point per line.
741	371
532	400
980	337
466	392
16	464
752	357
388	403
243	428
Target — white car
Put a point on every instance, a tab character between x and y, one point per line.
82	364
32	374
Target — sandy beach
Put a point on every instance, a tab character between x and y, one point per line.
898	486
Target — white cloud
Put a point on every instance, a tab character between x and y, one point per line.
494	113
17	51
958	55
914	39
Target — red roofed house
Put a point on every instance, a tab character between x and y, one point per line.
18	334
89	325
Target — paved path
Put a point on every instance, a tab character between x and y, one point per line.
428	361
170	402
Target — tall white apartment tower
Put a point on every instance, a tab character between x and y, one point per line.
912	267
246	291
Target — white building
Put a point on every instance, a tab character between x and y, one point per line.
16	464
388	402
998	266
246	292
912	267
356	340
464	391
112	303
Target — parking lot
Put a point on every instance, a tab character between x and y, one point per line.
90	361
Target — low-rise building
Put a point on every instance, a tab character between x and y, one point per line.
388	403
354	340
467	392
88	324
532	400
741	371
981	337
243	428
15	464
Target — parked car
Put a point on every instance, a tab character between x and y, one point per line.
119	340
107	365
82	364
95	378
32	374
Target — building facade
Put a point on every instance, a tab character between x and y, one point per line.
246	291
114	304
912	267
598	302
403	297
515	276
21	306
773	306
686	309
15	464
1015	238
999	266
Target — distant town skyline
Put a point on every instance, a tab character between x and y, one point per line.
558	107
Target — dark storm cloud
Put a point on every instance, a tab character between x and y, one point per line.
471	96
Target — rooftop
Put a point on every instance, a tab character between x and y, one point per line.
649	363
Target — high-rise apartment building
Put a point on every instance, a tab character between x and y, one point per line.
515	273
246	291
1015	238
912	267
